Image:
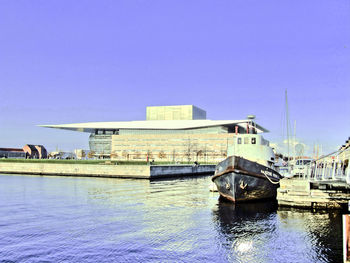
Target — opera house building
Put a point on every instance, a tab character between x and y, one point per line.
169	133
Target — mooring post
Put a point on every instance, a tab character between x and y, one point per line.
323	171
347	178
334	170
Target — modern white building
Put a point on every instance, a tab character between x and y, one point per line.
170	133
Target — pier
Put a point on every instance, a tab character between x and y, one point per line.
324	185
106	170
296	192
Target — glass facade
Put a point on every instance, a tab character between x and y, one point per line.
208	143
12	154
171	147
100	144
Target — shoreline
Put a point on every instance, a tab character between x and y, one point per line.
133	171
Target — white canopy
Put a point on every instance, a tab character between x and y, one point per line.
153	125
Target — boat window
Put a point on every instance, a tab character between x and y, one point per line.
253	140
246	140
239	141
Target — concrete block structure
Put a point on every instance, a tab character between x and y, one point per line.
106	170
182	112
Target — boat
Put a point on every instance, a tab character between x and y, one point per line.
249	173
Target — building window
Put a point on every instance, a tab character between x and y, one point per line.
239	141
253	140
246	140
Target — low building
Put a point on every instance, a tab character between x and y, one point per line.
170	133
16	153
35	151
31	151
42	151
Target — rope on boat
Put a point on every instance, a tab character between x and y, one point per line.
272	182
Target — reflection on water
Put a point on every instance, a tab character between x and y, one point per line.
258	232
50	219
247	230
317	235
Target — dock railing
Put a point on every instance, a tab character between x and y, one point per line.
329	168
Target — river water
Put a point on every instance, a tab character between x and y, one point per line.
71	219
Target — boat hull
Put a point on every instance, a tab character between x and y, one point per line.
241	180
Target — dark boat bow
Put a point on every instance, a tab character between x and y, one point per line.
239	180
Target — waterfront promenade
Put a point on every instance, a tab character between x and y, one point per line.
105	169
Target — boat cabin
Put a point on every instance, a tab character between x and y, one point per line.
252	147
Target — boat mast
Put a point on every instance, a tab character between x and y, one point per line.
294	140
287	121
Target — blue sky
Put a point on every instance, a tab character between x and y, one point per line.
79	61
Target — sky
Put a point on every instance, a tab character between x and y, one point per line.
64	61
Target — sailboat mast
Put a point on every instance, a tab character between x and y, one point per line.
294	140
287	121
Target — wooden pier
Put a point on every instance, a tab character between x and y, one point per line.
323	185
297	192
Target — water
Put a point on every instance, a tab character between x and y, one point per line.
70	219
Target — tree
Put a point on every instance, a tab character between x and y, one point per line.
91	154
161	155
199	154
174	154
188	149
114	155
125	154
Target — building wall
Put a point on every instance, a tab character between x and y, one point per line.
182	112
199	114
12	154
42	151
174	147
204	144
31	151
96	170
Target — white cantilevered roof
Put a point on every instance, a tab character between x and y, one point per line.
151	125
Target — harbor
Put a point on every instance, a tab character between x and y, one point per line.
76	219
176	217
175	131
319	184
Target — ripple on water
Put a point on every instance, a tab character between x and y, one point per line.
66	219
